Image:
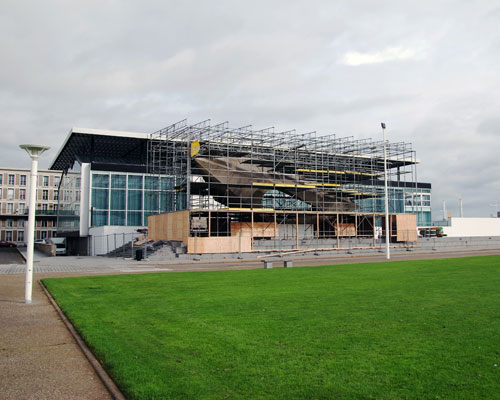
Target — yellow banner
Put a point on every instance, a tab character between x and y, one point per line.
195	148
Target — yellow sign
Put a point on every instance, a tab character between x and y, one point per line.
195	148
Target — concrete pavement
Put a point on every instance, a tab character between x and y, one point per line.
39	359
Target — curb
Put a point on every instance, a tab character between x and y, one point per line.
110	385
21	254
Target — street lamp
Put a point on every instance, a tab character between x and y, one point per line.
34	151
386	201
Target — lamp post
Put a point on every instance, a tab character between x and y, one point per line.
386	200
34	151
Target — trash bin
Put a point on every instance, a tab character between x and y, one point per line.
139	254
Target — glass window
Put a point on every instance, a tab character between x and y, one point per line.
134	218
100	199
167	202
134	200
167	183
99	218
22	208
20	236
43	223
151	201
10	223
118	181
181	201
56	194
146	215
10	194
45	195
43	235
44	207
100	181
1	179
117	218
57	180
134	182
10	208
22	194
117	200
151	182
45	181
20	223
22	181
8	236
11	179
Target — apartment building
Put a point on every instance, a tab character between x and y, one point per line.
14	201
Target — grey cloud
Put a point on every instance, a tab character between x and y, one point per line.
141	65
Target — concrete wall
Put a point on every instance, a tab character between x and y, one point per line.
107	238
469	227
46	248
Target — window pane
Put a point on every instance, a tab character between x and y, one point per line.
100	181
134	218
151	182
118	199
151	201
117	218
100	198
134	200
146	214
166	201
181	201
167	183
99	218
118	181
134	182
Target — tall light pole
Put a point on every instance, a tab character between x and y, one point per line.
34	151
386	199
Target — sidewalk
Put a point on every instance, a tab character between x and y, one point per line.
39	358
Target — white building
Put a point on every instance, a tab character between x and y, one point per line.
468	227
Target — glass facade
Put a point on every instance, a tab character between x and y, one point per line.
128	199
402	200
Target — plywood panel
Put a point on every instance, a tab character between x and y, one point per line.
347	229
169	226
217	245
260	229
406	227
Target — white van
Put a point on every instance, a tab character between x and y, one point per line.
60	243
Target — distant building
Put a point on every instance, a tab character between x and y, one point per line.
14	200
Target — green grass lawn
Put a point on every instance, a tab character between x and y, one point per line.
415	329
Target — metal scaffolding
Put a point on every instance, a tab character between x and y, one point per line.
304	185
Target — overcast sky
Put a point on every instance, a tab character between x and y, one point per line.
428	69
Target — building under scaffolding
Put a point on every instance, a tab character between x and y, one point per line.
249	190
